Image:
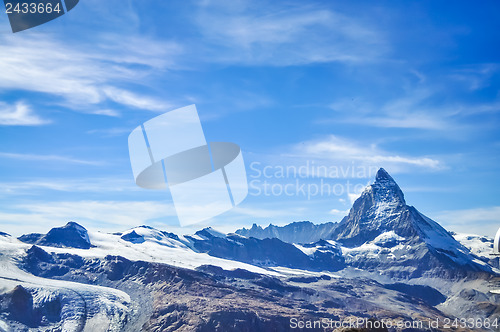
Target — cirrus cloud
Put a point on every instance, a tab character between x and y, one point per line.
19	114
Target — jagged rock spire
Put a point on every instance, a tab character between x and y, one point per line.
381	207
385	189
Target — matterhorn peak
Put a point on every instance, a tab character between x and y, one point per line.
385	189
399	235
376	211
382	175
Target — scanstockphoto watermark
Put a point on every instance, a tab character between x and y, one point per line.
442	324
307	180
328	324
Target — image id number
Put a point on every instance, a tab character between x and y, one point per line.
32	8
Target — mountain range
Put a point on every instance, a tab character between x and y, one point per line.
384	261
383	233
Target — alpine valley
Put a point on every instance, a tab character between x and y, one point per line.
383	267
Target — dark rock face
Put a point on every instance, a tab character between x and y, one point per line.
296	232
18	306
42	264
427	294
237	273
21	306
72	235
380	208
326	254
133	237
31	238
268	252
372	325
308	280
495	262
254	251
244	321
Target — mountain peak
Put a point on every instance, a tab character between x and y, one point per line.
381	219
71	235
209	232
385	189
133	237
72	224
376	211
382	175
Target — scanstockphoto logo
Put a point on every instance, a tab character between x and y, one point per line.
26	14
308	179
205	179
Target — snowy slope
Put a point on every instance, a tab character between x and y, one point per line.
481	246
158	246
84	307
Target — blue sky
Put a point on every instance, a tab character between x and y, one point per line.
409	86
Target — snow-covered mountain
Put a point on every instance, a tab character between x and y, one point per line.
481	246
39	303
383	233
72	235
384	259
73	289
268	251
296	232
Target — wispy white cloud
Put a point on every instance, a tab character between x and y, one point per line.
117	215
398	115
84	76
466	216
342	149
416	110
281	35
107	112
402	120
49	158
19	114
353	196
221	102
475	77
339	213
134	100
484	221
404	112
259	212
111	132
89	185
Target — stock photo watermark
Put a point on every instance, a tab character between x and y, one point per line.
307	180
328	324
26	14
206	179
170	151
